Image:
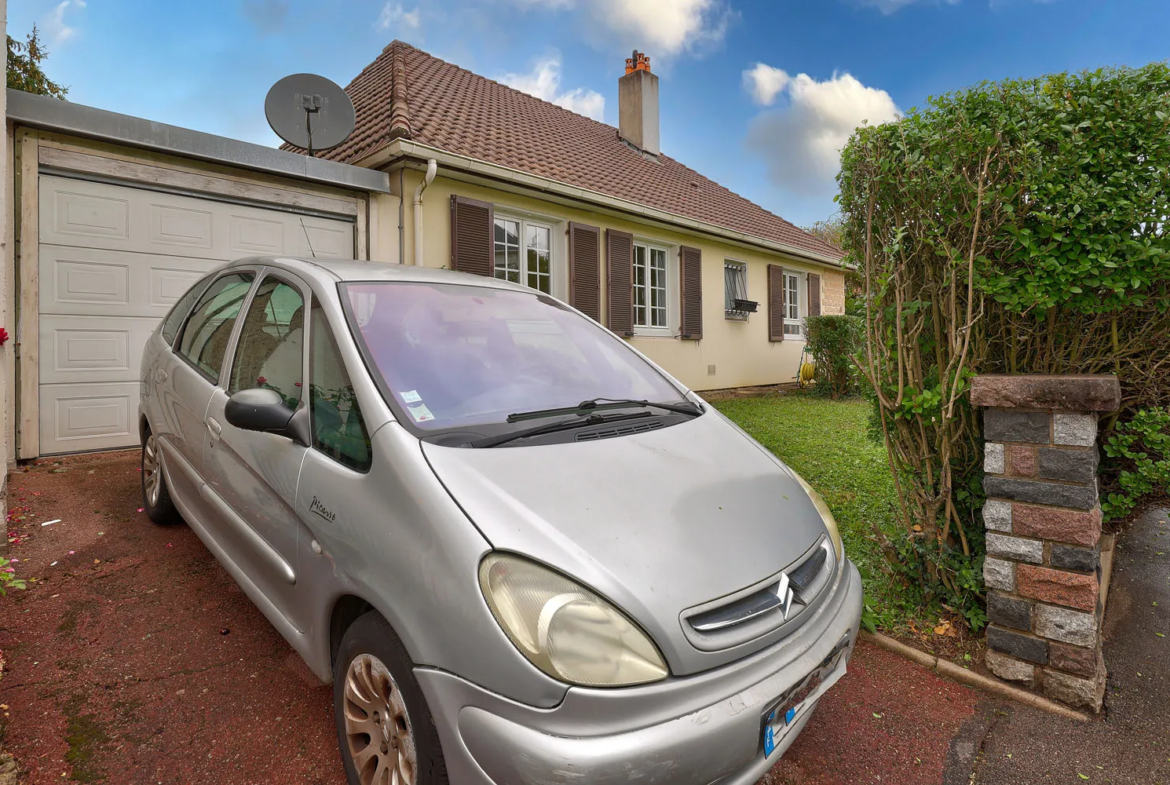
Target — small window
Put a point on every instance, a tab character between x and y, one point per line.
270	350
180	310
338	428
735	300
793	325
649	286
205	336
528	262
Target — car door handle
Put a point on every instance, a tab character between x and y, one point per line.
160	376
215	428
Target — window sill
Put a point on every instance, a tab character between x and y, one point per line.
733	316
654	332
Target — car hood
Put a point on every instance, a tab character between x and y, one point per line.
657	522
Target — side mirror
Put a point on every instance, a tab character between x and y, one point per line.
263	410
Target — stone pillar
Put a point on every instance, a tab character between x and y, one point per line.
1043	520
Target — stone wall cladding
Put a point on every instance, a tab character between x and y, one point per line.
1043	522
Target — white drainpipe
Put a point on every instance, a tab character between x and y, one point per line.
432	167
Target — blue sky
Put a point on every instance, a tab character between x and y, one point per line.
756	95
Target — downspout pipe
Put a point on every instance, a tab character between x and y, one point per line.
432	168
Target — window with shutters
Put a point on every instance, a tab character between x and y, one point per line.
651	288
523	252
735	298
793	305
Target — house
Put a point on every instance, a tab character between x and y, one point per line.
113	216
599	216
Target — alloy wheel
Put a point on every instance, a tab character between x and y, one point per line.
377	726
151	471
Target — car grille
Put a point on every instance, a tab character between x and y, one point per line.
618	430
781	601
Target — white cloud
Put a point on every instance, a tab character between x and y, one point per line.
55	24
544	82
394	15
765	82
661	27
888	7
801	142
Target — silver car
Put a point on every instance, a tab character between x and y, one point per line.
520	551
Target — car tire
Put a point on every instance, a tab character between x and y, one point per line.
156	497
381	715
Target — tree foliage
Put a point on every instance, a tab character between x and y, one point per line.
1017	226
24	67
833	341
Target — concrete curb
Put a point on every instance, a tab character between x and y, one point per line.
971	679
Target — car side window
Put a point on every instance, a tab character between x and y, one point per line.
205	336
270	350
338	428
180	310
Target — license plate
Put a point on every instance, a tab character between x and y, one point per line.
782	714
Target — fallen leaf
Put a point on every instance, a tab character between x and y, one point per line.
877	716
1082	776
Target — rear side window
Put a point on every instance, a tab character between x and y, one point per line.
338	428
180	310
207	332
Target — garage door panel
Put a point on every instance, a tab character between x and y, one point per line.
79	417
113	260
93	281
92	348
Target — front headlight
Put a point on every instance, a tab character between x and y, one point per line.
564	629
826	515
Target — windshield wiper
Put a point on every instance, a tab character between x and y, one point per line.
553	427
595	404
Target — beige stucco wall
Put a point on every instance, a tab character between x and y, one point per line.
731	354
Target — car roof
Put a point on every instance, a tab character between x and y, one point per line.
363	270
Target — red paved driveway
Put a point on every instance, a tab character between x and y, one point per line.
136	659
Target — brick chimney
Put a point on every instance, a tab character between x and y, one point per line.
638	105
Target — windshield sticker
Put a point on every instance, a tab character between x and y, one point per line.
412	396
420	413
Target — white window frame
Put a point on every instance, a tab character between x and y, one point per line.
728	312
797	281
670	253
557	249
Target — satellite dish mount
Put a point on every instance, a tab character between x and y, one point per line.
310	112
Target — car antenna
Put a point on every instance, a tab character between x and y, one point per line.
307	240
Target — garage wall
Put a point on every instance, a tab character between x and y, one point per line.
107	238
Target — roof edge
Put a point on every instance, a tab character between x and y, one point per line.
405	148
399	106
53	114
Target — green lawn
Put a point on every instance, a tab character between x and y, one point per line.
826	443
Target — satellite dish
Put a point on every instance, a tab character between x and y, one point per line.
310	112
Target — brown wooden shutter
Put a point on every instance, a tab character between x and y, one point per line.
814	294
585	269
775	302
472	224
619	284
691	299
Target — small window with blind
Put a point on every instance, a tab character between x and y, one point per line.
793	306
736	304
523	252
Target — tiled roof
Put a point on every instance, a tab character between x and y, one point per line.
408	93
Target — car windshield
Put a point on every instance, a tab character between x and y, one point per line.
458	356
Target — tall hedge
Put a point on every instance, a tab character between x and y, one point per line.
1017	226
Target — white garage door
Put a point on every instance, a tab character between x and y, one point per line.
113	260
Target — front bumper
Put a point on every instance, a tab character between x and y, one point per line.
696	730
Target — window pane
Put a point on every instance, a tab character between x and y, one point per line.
206	334
180	310
269	354
538	237
338	428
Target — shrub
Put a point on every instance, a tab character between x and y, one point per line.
1140	449
833	341
8	579
1015	227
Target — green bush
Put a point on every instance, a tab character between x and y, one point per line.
8	579
1014	227
1139	451
833	341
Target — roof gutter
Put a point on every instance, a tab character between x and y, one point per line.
454	164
